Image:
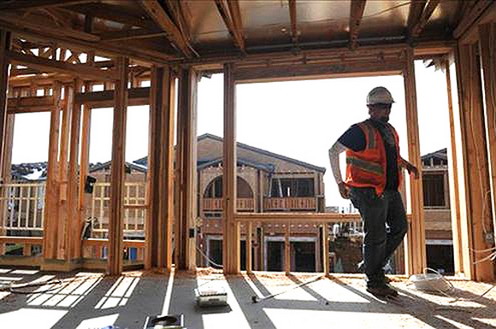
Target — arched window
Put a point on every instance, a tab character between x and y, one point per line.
214	189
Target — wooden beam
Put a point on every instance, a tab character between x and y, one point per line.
177	10
356	13
84	168
249	248
231	15
414	13
185	229
5	44
294	21
424	18
325	249
287	249
117	170
231	234
40	63
487	50
454	190
317	71
160	170
6	168
73	232
471	17
131	34
476	216
31	104
52	186
36	4
136	96
162	19
416	235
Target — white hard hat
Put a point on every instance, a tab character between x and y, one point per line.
379	95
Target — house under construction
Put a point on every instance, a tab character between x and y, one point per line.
72	57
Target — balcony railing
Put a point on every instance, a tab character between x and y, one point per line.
22	206
290	203
215	204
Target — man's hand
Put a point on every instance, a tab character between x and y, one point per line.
344	190
412	170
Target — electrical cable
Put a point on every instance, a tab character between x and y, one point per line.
210	261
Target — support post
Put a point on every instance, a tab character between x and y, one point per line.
325	249
52	185
73	233
231	234
160	194
83	168
454	193
476	224
415	253
115	251
287	249
249	250
185	233
5	42
487	46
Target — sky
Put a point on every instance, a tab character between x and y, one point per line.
298	119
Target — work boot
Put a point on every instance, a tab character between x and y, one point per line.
383	291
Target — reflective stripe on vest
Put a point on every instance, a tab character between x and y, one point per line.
370	132
364	165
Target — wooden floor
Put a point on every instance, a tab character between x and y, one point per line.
92	300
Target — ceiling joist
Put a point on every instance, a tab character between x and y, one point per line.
356	13
424	18
131	34
231	15
162	19
294	21
473	14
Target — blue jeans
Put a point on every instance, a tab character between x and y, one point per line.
380	241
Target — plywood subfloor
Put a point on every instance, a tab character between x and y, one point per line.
92	300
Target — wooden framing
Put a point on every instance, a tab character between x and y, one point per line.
160	170
416	252
476	214
96	99
356	13
487	49
453	179
117	170
5	41
232	18
185	229
231	231
29	4
52	186
294	21
419	25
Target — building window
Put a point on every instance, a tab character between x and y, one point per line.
434	191
293	187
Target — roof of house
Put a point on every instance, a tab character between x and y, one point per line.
204	163
440	154
129	165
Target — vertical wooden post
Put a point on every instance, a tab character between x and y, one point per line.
231	234
84	164
5	41
487	46
185	233
117	180
249	251
52	186
6	168
325	249
160	170
477	224
453	181
416	236
73	233
287	249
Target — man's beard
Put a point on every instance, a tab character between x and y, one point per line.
384	119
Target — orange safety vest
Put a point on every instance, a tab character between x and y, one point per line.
367	168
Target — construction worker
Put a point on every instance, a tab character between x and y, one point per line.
373	175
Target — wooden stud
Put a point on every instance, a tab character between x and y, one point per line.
185	231
249	246
287	249
416	29
356	13
73	222
84	169
30	5
5	44
294	21
454	191
414	13
160	170
471	17
115	250
52	185
231	234
416	236
476	215
6	161
487	46
325	249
